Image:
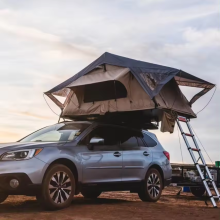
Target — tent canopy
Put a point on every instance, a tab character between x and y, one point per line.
144	72
128	89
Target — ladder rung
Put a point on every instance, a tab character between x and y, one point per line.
216	197
202	165
182	119
195	149
190	135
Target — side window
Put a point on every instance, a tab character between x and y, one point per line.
150	142
140	142
102	138
130	143
130	139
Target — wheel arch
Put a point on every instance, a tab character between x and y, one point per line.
160	170
71	165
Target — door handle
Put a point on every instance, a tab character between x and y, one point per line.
117	154
145	153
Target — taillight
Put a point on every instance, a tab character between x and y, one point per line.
167	155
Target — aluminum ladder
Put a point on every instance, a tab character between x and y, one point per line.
207	181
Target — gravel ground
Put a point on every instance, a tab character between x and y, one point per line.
114	205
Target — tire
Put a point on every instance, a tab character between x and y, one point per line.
197	191
152	187
90	194
3	197
58	188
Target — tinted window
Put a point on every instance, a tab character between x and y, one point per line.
149	141
130	138
131	142
140	142
101	136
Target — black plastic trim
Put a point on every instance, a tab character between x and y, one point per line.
26	187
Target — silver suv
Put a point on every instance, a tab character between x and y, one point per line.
62	160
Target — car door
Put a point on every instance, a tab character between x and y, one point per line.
136	156
102	162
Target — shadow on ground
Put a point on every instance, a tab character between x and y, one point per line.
113	206
32	205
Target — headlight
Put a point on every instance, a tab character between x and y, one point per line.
20	154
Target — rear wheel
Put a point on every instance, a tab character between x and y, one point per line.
90	194
58	188
152	188
197	191
3	197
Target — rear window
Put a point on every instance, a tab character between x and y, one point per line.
150	142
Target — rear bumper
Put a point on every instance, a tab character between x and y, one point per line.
26	187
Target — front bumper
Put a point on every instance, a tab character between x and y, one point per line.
33	168
26	187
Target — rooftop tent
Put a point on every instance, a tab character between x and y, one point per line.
115	84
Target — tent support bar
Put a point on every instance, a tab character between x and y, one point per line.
198	95
68	98
55	100
60	115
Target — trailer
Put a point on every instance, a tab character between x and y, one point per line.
186	175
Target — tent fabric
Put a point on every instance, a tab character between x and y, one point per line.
169	98
96	76
168	123
151	77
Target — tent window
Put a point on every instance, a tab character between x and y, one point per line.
104	91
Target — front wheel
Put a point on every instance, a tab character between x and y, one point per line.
3	197
152	188
58	188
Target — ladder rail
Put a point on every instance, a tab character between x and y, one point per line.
194	160
198	150
203	161
195	142
187	143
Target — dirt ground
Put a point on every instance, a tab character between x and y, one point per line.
114	205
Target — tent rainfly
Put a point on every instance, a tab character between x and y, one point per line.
134	90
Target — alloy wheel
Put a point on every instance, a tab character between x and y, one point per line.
153	185
60	187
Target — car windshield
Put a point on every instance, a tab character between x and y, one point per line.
57	133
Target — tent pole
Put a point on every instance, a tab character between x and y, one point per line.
60	115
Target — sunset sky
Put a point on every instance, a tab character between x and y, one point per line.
45	42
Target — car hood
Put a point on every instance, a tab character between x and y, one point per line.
24	145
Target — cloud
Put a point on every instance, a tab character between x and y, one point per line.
38	36
30	114
8	136
204	38
45	42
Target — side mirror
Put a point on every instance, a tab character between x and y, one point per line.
95	141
